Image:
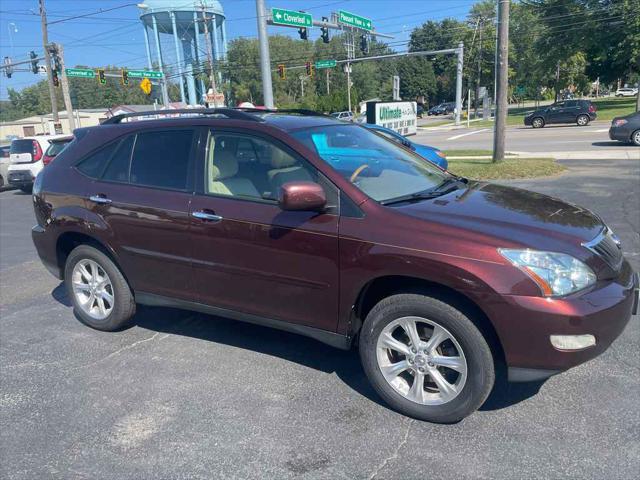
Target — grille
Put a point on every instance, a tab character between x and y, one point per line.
607	247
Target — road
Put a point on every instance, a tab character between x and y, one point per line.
556	138
184	395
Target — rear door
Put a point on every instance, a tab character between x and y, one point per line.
249	255
141	205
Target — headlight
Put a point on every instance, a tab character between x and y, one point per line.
555	273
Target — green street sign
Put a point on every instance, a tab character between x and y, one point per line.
356	21
291	18
145	74
80	72
326	64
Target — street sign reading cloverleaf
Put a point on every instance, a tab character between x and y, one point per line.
291	18
325	64
80	72
353	20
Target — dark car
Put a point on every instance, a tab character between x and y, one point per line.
580	112
320	227
626	129
442	109
55	147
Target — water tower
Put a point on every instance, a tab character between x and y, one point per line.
177	30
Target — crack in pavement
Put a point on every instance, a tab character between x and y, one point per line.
394	455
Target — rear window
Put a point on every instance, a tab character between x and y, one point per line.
22	146
55	148
94	164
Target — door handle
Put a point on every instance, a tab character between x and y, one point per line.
100	199
209	217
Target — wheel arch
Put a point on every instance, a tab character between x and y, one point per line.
381	287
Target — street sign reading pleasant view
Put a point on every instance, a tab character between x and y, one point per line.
326	63
144	74
291	18
80	72
352	20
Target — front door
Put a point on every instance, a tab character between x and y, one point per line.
142	198
248	254
557	113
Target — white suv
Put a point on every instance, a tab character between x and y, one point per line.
626	92
26	159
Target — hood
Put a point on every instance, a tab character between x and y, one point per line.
519	216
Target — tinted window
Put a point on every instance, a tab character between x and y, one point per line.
161	159
22	146
93	165
55	148
118	169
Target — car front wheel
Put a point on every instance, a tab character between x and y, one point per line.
100	294
582	120
537	122
425	358
635	138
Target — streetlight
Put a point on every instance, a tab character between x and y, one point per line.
12	29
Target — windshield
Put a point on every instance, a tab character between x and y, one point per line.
56	147
380	168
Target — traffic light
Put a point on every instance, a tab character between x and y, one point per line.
364	44
55	58
8	69
303	33
102	78
34	62
54	77
282	73
325	31
309	68
125	77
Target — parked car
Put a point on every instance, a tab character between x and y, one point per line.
626	129
442	109
26	155
4	164
434	155
626	92
55	147
580	112
323	228
345	116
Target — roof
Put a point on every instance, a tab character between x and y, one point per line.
291	122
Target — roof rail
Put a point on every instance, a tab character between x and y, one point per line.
227	112
299	111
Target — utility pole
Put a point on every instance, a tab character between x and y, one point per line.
502	108
301	77
557	80
45	43
460	52
478	79
327	77
64	83
212	77
265	60
350	48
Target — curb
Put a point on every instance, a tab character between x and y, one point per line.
580	155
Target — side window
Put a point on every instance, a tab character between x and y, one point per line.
249	167
161	159
93	165
118	168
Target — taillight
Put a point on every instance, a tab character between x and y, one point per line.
592	108
46	160
37	151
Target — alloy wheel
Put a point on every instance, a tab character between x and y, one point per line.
537	122
582	120
421	360
92	289
636	138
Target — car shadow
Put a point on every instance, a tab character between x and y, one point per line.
289	347
612	143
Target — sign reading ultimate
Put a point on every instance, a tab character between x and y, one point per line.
356	21
398	116
291	18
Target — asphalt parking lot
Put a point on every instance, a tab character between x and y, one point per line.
185	395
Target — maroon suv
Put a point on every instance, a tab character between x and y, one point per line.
307	224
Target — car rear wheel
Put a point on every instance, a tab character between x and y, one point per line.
537	122
635	138
425	358
582	120
100	294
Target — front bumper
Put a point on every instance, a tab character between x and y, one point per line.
524	325
619	134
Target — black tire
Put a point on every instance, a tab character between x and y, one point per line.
537	122
27	189
583	120
124	306
635	138
480	366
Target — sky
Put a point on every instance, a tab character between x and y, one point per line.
116	37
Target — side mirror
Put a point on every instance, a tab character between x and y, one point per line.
302	196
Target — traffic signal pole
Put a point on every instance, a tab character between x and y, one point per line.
503	81
64	83
265	60
45	42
